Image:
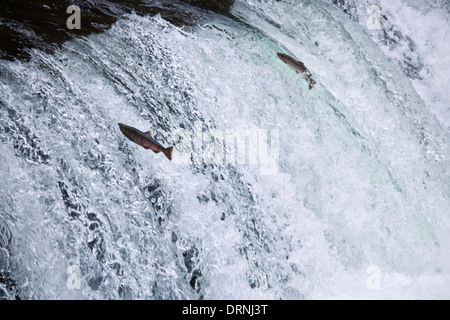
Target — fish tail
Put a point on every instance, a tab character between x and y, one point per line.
168	153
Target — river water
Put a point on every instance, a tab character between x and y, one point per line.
341	191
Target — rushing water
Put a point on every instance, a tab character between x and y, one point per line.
354	201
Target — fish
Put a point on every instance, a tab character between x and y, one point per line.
145	140
299	67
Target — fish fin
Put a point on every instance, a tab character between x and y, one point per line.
168	153
149	133
301	63
297	71
155	151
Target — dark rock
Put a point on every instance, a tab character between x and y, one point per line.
5	236
189	258
194	280
25	143
4	259
95	282
216	5
125	292
42	24
72	206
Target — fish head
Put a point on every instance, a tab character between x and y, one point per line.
283	57
127	130
124	128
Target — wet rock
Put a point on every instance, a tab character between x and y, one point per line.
72	206
194	280
189	258
216	5
94	226
174	237
25	143
95	282
4	259
159	200
92	217
32	23
5	235
117	268
42	24
8	287
98	247
125	292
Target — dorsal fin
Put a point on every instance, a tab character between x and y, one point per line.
301	63
149	133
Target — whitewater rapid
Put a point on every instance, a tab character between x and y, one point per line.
357	206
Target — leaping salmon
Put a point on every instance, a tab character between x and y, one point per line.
299	67
144	139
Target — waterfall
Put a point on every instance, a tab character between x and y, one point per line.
275	191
